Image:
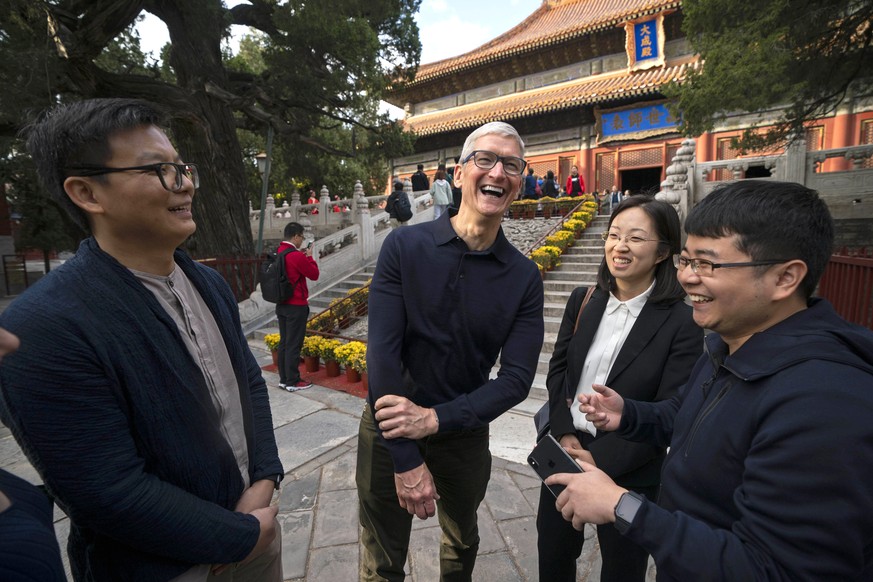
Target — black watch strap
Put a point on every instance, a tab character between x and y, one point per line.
276	479
626	510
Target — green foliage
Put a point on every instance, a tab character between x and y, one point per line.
314	71
43	224
804	56
124	55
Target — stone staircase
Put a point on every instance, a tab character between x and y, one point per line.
317	303
578	267
320	300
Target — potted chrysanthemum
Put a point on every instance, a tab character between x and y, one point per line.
271	340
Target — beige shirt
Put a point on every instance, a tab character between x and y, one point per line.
201	335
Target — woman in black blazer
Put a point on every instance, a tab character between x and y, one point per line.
648	359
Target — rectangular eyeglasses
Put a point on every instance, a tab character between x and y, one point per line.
705	268
486	160
170	173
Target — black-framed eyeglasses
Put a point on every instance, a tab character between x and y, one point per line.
486	160
170	173
705	268
614	237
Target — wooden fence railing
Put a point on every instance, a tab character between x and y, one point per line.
848	284
241	273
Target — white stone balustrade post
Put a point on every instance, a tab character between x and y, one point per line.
365	220
324	205
269	213
295	205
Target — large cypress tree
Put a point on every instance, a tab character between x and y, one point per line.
325	66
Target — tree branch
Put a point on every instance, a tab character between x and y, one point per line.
255	111
258	15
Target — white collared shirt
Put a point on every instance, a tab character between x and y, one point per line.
612	331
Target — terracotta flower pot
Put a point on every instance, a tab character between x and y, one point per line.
311	363
352	375
275	354
365	381
332	368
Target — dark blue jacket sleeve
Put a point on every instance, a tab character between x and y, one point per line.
387	324
804	503
63	410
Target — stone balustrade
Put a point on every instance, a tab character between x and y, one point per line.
846	187
343	242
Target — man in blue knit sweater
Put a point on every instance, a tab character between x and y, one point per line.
134	393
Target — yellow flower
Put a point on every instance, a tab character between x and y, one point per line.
574	225
352	355
561	239
328	349
271	340
312	345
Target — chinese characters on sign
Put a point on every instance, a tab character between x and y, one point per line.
645	42
646	48
635	122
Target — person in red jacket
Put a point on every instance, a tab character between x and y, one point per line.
293	313
575	183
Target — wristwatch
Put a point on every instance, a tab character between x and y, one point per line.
626	510
275	479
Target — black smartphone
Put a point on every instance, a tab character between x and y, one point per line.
548	458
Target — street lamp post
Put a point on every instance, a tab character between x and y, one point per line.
264	169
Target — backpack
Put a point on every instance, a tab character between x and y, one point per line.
402	208
275	286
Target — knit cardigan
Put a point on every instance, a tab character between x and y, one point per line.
116	416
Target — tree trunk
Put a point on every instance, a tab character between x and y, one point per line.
205	132
221	204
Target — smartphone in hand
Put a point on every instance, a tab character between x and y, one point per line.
549	458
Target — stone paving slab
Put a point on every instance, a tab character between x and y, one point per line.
316	431
313	435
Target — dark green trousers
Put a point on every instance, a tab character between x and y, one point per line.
460	463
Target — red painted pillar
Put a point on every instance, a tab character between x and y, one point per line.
842	137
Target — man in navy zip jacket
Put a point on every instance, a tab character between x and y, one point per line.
134	392
770	471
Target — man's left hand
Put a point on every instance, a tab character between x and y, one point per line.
400	417
257	496
589	497
417	492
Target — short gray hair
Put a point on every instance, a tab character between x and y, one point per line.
492	128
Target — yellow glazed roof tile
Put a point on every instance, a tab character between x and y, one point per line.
568	95
555	21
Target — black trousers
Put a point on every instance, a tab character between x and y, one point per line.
560	545
292	330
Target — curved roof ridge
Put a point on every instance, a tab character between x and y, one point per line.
561	96
554	21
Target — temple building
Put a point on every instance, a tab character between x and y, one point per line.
581	81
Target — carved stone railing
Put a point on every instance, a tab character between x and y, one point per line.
737	167
339	253
858	156
842	176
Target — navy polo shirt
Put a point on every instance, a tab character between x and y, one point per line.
440	314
